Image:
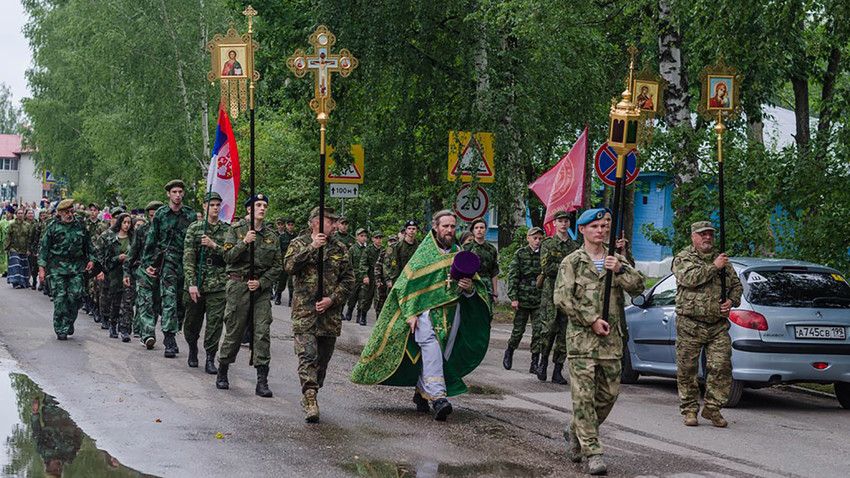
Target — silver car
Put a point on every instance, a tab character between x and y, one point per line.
792	326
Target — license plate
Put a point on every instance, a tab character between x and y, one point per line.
819	332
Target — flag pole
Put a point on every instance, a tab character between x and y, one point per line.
720	128
203	248
250	12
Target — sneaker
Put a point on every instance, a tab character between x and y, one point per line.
715	417
596	466
691	419
149	342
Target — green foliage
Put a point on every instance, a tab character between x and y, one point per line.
507	253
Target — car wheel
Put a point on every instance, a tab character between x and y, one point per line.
735	393
628	376
842	392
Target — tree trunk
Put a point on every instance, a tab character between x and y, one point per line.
205	113
827	110
514	216
800	84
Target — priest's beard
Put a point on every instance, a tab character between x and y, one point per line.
445	242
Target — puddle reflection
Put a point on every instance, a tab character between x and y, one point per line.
385	469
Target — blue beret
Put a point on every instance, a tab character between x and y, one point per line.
591	215
411	222
257	197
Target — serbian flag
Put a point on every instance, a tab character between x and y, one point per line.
562	187
223	175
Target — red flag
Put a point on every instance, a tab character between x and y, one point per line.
562	187
223	175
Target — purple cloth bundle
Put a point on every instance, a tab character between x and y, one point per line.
465	265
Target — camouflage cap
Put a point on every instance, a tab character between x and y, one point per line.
329	213
560	214
116	211
701	226
280	220
153	206
93	204
534	230
212	196
341	219
174	183
65	204
360	231
377	234
392	239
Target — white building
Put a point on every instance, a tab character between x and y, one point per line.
19	178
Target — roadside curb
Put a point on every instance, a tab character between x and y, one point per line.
808	391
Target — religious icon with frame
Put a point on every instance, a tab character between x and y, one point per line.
232	57
720	89
232	64
647	95
721	85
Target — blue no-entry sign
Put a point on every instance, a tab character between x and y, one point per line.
606	165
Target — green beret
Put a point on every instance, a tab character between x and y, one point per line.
65	204
329	213
153	206
175	183
701	226
212	196
560	214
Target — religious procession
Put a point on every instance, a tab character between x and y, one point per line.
338	240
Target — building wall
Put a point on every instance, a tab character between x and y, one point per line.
29	179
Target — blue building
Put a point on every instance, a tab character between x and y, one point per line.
653	205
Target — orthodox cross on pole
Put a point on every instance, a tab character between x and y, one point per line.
322	63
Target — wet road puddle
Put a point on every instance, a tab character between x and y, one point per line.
385	469
41	438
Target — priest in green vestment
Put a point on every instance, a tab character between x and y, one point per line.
433	330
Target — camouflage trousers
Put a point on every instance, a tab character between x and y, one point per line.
554	333
110	304
67	294
595	386
236	315
521	317
148	300
381	293
127	322
212	304
170	282
691	337
314	353
367	295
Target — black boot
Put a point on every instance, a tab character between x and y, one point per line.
348	314
557	376
209	367
361	318
221	382
534	359
86	305
170	344
263	382
542	368
290	298
193	354
277	299
508	361
113	333
125	335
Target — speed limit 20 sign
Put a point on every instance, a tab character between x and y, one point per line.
471	203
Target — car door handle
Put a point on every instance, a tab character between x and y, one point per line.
666	318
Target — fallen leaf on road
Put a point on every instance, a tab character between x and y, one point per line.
219	435
158	420
120	399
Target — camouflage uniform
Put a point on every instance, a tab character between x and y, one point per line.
210	265
163	249
552	252
285	279
366	268
92	290
400	253
346	239
522	287
109	251
267	265
594	360
489	263
65	250
18	238
381	278
355	253
315	335
699	324
144	289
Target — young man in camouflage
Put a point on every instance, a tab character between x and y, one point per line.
136	279
67	250
594	345
553	250
702	323
489	256
95	228
381	289
286	231
525	298
249	296
341	233
366	275
204	272
401	252
316	323
355	253
162	260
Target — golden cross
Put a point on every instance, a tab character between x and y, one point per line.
322	63
448	282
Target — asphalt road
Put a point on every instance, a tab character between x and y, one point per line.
160	417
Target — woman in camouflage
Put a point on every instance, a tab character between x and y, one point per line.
115	244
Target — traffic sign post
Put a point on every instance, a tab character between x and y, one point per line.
606	165
471	155
471	204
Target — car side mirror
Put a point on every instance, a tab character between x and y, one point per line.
640	301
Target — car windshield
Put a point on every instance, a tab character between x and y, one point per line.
797	289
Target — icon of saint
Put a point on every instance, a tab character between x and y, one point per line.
721	96
232	67
644	99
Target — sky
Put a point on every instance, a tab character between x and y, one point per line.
16	52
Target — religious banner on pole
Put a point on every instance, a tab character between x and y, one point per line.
233	66
562	187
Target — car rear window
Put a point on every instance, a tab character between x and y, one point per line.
797	289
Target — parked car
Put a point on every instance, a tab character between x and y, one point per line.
792	326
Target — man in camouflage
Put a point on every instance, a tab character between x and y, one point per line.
316	323
44	218
401	252
366	275
525	298
594	345
95	228
162	260
108	292
205	276
701	323
381	289
355	253
553	250
67	250
148	300
286	232
489	256
341	234
248	296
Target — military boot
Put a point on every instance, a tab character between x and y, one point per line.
557	374
263	382
533	367
542	369
221	382
125	336
691	419
290	298
310	405
209	366
361	318
193	354
574	446
347	315
596	466
508	360
715	417
277	299
113	332
170	344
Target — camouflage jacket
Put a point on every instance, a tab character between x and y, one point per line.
522	278
698	285
95	228
165	237
355	253
211	266
489	259
347	239
366	267
18	237
380	271
399	254
135	253
286	238
552	252
338	282
109	252
579	292
66	248
268	262
37	231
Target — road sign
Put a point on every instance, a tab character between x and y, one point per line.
344	190
469	206
49	178
606	165
353	174
470	154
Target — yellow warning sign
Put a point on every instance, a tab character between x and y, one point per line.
353	174
471	155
